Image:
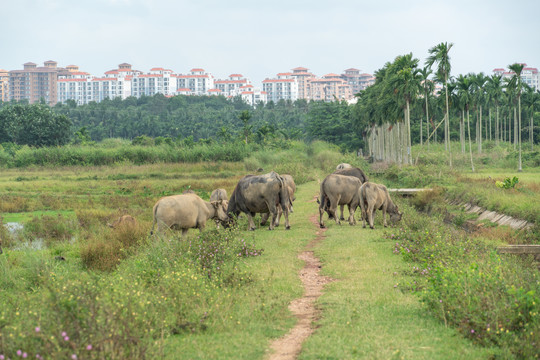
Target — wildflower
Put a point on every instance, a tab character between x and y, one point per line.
38	329
19	352
74	357
66	338
64	334
24	355
472	331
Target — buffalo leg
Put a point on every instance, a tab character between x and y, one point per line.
251	222
384	216
341	207
264	218
184	232
370	213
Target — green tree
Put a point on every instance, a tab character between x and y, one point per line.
34	125
245	116
439	55
516	83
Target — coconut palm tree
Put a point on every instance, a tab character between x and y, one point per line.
439	55
516	79
479	81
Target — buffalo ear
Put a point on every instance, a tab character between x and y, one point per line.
215	204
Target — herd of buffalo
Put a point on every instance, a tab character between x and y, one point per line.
272	195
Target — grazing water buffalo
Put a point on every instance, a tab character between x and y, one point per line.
376	197
260	194
186	211
219	194
125	220
291	189
339	190
350	171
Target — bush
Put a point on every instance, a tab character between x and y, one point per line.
490	299
50	228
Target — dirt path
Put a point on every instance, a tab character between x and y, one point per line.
289	346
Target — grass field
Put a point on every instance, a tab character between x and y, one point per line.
122	294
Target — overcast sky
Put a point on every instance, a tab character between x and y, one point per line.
262	38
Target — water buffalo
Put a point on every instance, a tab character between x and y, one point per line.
339	190
376	197
219	194
186	211
125	220
260	194
343	166
291	189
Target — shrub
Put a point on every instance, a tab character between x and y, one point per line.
50	228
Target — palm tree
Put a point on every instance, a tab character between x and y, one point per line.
464	86
427	86
405	84
516	79
494	91
479	81
439	55
532	101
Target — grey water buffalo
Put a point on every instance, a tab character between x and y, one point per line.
219	194
125	220
376	197
350	171
260	194
291	189
186	211
339	190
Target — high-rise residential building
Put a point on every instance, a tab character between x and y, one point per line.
283	87
250	95
303	77
330	87
157	81
232	84
356	80
198	81
4	85
34	83
74	85
529	75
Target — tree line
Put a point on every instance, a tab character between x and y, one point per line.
182	118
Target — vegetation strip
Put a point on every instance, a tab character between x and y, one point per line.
289	346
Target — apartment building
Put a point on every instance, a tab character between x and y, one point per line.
157	81
283	87
303	78
232	84
4	85
34	83
356	80
251	95
330	87
74	85
529	76
198	81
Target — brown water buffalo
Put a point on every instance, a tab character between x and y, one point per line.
186	211
125	220
343	166
376	197
339	190
219	194
260	194
291	189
